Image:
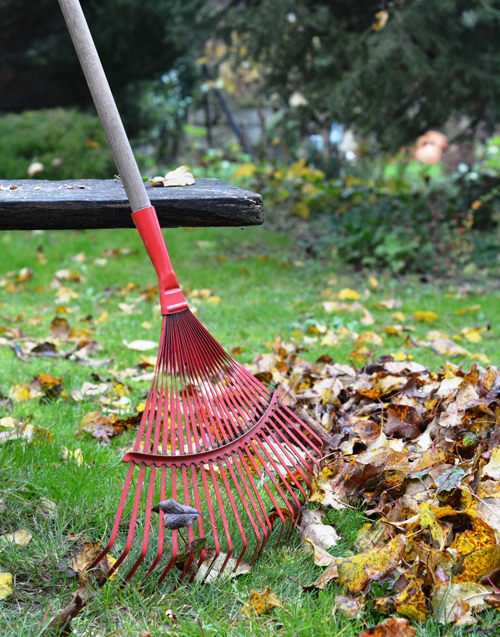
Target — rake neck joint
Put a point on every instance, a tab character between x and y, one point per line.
171	298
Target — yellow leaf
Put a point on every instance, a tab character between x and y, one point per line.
245	170
469	592
370	338
19	538
75	455
425	317
472	334
214	300
102	318
428	521
398	316
64	295
329	340
393	330
5	585
410	602
348	295
300	209
372	282
466	310
23	391
358	571
400	356
380	21
259	603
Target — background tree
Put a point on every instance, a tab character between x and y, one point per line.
137	40
429	61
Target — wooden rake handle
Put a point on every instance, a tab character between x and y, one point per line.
105	104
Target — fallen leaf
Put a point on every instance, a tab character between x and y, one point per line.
19	538
5	585
320	556
348	295
259	603
381	18
210	569
446	599
140	345
348	606
358	571
329	575
392	627
178	177
425	317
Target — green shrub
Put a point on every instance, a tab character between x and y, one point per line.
69	144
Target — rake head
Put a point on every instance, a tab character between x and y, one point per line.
213	438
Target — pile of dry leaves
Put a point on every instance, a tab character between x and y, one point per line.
419	450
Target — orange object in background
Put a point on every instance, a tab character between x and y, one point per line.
430	147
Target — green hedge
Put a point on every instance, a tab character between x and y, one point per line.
69	144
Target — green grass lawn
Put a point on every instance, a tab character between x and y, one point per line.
266	288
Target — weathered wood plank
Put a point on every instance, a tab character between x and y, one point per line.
52	205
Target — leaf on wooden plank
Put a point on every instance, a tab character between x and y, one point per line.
179	177
259	603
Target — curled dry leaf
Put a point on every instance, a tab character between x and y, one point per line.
329	575
259	603
176	515
320	556
210	569
313	529
348	606
392	627
179	177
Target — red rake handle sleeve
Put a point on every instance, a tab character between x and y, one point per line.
171	298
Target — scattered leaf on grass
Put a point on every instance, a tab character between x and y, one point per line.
140	345
5	585
425	317
75	456
392	627
19	538
259	603
348	606
329	575
446	599
320	556
210	569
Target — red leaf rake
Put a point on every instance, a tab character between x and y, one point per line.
211	434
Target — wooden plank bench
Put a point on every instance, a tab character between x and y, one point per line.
30	204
